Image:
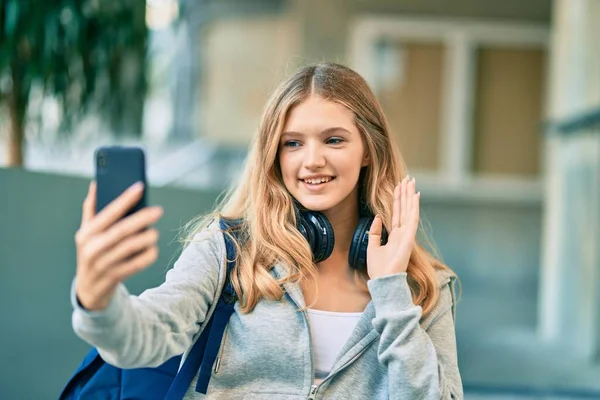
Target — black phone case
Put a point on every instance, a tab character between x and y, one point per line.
117	168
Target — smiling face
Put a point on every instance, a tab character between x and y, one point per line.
321	153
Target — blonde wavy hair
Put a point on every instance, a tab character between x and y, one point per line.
265	207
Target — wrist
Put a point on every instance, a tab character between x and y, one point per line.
88	303
391	292
384	273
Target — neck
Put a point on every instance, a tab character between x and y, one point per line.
343	222
343	219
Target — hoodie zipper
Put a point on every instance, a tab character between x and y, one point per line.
221	349
315	388
313	392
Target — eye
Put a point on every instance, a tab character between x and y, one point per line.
334	140
291	143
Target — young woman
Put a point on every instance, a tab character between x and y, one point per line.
303	326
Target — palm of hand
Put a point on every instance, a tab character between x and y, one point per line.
393	257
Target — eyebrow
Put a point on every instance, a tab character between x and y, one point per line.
325	132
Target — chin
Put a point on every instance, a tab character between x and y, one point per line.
316	204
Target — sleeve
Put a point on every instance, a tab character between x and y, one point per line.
421	360
147	330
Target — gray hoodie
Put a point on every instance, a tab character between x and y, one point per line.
393	353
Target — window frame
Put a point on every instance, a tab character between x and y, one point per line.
461	40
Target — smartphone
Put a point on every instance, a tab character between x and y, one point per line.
117	168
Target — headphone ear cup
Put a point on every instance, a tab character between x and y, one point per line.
317	230
357	256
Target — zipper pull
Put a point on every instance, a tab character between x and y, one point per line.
313	392
217	365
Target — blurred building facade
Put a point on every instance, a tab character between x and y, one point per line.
495	107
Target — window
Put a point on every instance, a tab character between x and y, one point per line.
508	111
465	99
409	81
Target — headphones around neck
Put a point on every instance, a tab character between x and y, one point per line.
317	230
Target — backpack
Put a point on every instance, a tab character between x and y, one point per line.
96	379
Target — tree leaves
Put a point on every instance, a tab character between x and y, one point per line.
80	51
11	16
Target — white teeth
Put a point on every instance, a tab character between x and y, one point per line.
317	180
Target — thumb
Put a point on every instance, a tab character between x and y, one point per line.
375	233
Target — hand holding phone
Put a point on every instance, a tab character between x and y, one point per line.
115	240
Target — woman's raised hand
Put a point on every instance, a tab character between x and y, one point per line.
111	248
393	257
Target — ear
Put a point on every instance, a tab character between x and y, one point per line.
366	160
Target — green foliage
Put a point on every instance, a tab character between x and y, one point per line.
90	54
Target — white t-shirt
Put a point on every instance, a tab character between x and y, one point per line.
329	332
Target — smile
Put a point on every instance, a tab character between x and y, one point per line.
318	181
316	185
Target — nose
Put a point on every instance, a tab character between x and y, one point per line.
314	157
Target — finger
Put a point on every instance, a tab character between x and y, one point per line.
120	231
396	207
89	204
116	209
375	233
136	264
403	202
415	213
410	194
133	224
127	248
417	206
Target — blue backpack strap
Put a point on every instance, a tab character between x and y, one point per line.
205	350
